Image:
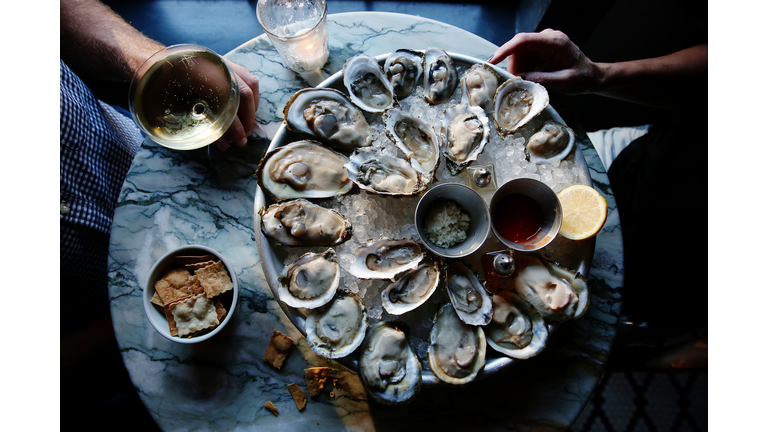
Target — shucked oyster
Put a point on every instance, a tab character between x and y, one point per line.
478	86
516	330
378	172
386	258
553	140
516	102
468	295
465	132
456	350
403	69
556	294
310	281
301	223
368	88
330	117
440	76
411	290
389	367
303	169
414	137
338	328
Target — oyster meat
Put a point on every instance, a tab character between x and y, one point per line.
338	328
411	290
368	87
301	223
468	295
310	281
329	116
465	132
414	137
386	258
456	350
557	294
516	102
382	173
389	367
553	140
303	169
478	86
403	69
516	330
440	76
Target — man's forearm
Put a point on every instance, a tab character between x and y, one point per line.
98	43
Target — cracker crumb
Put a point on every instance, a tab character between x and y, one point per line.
278	349
271	408
298	396
315	378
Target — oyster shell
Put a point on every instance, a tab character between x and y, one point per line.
414	137
403	69
553	140
368	87
468	295
382	173
301	223
303	169
338	328
389	367
478	86
440	76
310	281
456	350
557	294
516	102
465	132
411	290
516	330
386	258
329	116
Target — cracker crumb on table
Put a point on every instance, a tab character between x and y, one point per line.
278	349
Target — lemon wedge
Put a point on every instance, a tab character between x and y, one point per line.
584	212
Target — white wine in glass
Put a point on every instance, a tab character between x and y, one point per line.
184	97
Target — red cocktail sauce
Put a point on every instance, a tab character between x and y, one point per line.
518	218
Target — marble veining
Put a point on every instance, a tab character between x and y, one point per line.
174	198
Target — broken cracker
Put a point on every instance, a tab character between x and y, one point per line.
199	265
299	396
177	277
167	292
220	311
214	279
278	348
193	286
156	300
315	378
271	407
191	314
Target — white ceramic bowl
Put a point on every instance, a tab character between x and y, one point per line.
157	318
470	202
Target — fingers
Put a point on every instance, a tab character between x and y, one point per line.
528	48
246	114
236	133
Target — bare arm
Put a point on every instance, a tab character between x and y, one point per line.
550	58
98	43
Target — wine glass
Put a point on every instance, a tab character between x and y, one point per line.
184	97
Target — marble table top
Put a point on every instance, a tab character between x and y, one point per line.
174	198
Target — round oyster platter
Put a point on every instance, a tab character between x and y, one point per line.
365	216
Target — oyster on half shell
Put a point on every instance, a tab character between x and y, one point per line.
403	69
468	295
465	132
338	328
310	281
368	87
440	76
478	86
382	173
516	330
389	367
556	293
386	258
516	102
456	350
303	169
553	140
414	137
329	116
411	290
301	223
